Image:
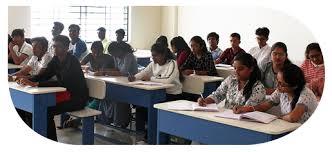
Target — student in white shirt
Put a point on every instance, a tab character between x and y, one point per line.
56	30
213	40
19	50
297	102
101	35
163	69
262	52
38	62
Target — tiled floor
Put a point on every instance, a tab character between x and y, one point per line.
104	135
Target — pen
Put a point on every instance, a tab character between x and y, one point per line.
129	74
202	96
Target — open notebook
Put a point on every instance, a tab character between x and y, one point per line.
249	116
192	106
140	82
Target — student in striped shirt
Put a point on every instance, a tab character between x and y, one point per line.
314	69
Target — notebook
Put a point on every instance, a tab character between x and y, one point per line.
223	65
140	82
249	116
192	106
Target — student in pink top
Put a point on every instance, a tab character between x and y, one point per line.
314	69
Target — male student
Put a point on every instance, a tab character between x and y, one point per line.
101	35
67	70
19	51
38	62
213	40
77	47
262	52
56	30
227	57
120	33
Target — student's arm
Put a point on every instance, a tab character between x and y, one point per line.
188	64
182	58
86	59
268	103
220	94
221	58
211	68
48	73
18	59
171	76
296	113
146	73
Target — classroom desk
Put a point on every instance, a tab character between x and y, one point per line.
118	90
143	57
224	71
196	84
205	128
12	68
35	100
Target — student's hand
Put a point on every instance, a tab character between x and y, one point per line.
26	82
131	78
10	78
11	46
201	102
286	118
242	109
146	78
187	72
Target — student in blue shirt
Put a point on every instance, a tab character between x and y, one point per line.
77	47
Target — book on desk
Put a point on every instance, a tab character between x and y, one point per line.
192	106
249	116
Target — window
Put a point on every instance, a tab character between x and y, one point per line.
89	18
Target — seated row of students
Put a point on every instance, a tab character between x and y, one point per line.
245	93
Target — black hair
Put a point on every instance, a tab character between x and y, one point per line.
74	26
162	49
294	77
62	39
237	35
119	48
180	45
284	48
162	40
201	43
312	46
101	29
213	34
42	41
120	31
18	32
263	31
250	62
59	24
9	39
98	46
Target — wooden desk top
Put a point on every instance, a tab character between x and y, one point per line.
275	127
124	81
35	90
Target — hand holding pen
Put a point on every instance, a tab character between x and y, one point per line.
131	78
201	101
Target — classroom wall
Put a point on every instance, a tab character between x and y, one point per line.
19	17
145	26
197	20
169	21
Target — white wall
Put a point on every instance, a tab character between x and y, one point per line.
169	21
196	20
145	26
19	17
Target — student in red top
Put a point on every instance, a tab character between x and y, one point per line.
227	57
181	48
314	69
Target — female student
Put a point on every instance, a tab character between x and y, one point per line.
279	58
199	61
125	64
297	102
99	62
67	70
314	69
163	69
243	88
162	40
181	48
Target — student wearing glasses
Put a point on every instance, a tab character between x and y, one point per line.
296	101
314	69
279	58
